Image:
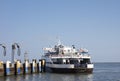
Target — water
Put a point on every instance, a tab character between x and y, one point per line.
102	72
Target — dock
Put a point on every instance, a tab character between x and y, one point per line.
18	68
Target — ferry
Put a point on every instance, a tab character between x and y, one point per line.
67	59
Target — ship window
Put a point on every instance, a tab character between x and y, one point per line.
60	61
84	61
74	61
68	50
54	60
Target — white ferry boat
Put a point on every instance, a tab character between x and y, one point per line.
64	59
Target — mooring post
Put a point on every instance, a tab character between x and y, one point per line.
15	68
31	67
4	66
18	67
40	66
7	68
24	72
43	65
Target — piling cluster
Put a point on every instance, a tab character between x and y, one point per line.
18	68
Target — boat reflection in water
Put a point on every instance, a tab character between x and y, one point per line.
49	77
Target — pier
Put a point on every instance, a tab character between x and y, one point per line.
16	67
19	68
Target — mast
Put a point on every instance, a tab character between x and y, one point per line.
59	42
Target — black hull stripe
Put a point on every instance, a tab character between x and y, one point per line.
69	70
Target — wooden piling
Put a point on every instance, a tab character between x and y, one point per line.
40	66
43	65
18	68
4	67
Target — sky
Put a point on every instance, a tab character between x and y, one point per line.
35	24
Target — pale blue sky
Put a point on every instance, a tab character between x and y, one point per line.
34	24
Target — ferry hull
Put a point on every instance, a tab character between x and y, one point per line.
69	70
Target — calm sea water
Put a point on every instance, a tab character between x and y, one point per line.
102	72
